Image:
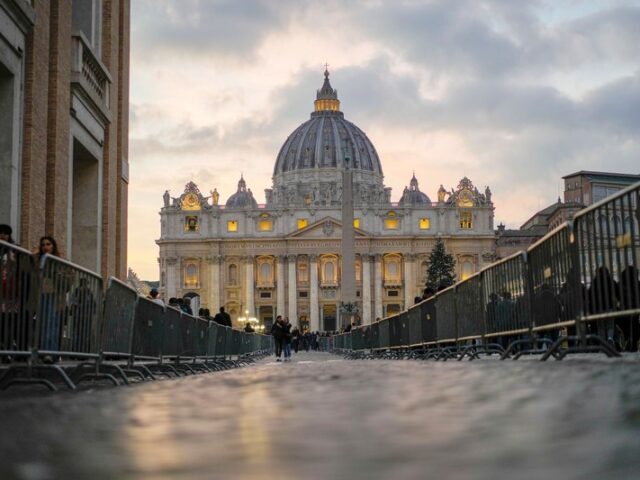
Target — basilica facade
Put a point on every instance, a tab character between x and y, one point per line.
283	257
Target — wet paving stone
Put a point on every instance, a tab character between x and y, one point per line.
324	417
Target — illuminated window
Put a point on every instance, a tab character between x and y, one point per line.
302	222
356	223
191	275
303	273
358	271
232	226
466	222
424	224
391	222
191	223
265	273
466	269
265	225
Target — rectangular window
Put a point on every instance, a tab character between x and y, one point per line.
391	223
191	223
392	293
303	294
466	220
302	222
232	226
265	294
265	225
356	223
424	224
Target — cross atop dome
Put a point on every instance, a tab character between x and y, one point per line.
327	97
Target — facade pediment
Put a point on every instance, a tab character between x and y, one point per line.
327	227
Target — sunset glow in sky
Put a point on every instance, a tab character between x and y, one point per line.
512	94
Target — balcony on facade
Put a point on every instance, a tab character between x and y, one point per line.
90	79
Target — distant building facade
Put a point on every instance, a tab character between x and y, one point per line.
64	96
283	257
581	189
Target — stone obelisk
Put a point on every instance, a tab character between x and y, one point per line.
348	305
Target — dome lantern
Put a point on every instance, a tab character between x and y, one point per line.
327	97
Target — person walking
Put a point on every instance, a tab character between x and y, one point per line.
287	340
278	333
295	338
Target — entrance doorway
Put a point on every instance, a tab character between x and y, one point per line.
329	314
265	315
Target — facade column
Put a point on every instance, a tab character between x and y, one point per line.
314	303
172	278
366	289
214	283
250	286
408	280
280	284
293	290
377	286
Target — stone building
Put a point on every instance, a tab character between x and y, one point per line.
282	257
64	108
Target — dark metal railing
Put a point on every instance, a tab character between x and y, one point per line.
575	290
58	323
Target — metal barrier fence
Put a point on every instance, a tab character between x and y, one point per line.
575	290
58	323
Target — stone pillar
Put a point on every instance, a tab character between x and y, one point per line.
172	278
250	286
347	250
280	284
366	289
293	290
377	287
408	280
214	283
314	303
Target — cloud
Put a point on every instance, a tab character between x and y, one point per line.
512	94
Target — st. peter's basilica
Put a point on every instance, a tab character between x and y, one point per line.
283	257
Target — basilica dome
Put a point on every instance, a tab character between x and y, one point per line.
243	197
326	139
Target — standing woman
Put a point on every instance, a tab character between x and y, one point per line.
287	339
52	300
278	336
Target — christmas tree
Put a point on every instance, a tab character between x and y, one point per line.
442	265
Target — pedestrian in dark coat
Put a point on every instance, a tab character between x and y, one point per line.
278	332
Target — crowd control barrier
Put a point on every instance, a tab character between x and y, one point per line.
575	290
60	325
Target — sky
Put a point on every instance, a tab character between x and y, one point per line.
512	94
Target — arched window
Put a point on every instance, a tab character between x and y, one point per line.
424	267
233	274
303	272
466	269
329	272
265	272
191	275
392	269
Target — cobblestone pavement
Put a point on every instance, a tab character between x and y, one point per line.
324	417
